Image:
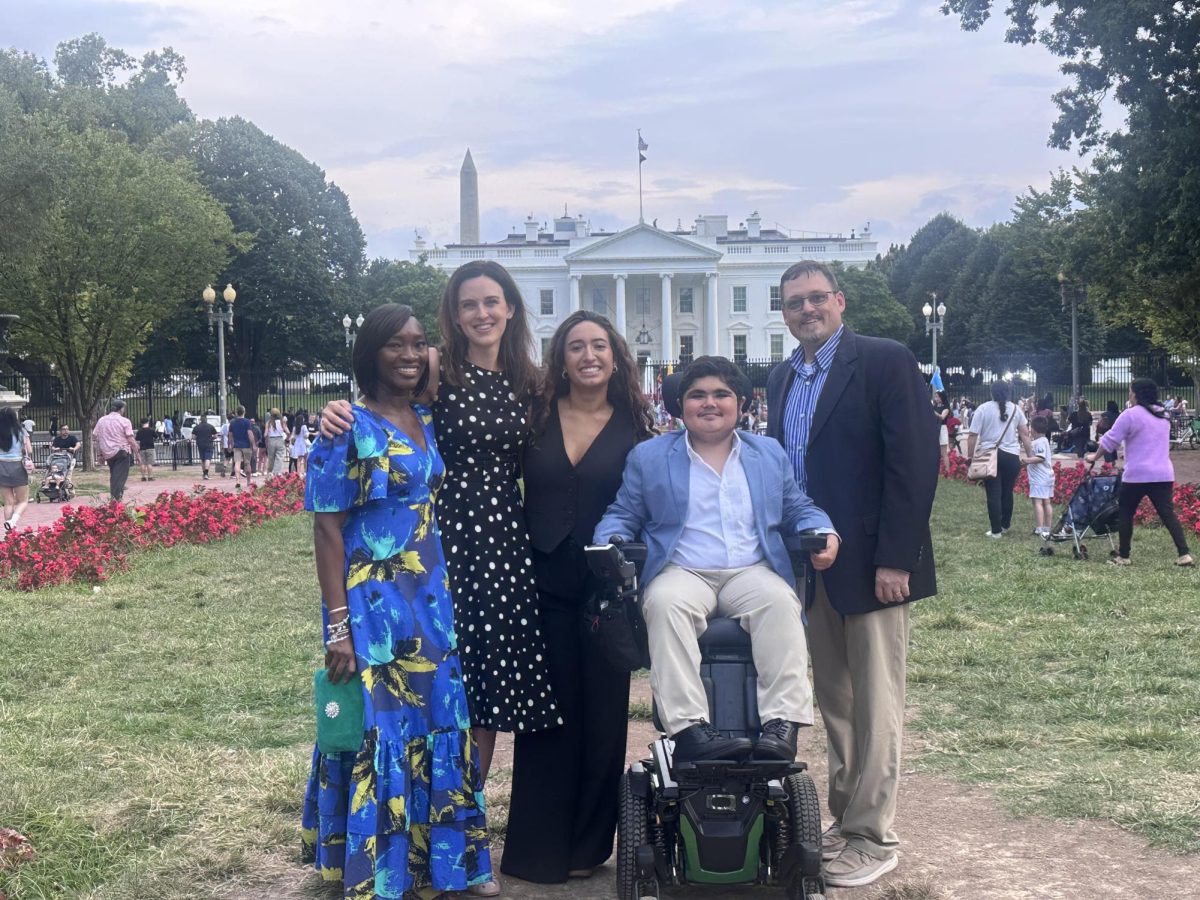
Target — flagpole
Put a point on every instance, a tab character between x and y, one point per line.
641	159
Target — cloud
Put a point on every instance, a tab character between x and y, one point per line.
820	115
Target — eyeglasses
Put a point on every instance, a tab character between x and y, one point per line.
795	304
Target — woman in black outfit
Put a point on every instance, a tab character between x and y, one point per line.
590	414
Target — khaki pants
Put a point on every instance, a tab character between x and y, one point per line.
859	665
677	605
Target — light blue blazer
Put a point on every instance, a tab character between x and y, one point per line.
653	501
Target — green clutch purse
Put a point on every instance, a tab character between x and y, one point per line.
339	713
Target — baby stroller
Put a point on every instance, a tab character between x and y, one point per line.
57	485
1092	510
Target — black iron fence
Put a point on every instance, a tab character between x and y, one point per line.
181	394
1101	378
186	393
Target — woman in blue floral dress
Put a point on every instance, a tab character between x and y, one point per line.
404	816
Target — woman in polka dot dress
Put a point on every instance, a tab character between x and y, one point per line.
480	417
483	380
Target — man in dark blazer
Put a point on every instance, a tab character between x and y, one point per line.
854	416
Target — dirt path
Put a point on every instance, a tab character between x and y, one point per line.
956	843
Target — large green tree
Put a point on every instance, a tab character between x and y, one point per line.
127	234
1135	239
28	160
99	86
418	285
928	264
870	307
301	274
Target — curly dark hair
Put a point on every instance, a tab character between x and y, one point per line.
624	392
515	343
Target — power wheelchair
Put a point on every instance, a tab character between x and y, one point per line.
715	822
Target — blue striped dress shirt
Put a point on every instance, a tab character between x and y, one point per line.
802	402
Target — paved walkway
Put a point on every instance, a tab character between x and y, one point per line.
137	492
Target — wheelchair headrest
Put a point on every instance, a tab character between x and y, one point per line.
670	394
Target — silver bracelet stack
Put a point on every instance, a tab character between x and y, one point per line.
336	632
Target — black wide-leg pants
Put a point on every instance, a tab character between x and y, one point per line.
563	811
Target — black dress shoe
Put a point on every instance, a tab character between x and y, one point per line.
778	741
703	742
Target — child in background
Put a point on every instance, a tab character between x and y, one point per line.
1041	476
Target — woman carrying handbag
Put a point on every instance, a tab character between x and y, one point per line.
998	428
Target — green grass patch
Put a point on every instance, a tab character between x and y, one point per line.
1069	686
155	736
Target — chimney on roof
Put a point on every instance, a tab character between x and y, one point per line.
754	225
531	230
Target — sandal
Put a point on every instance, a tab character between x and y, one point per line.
486	889
1120	561
1185	561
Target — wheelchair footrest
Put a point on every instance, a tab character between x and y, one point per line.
800	859
718	771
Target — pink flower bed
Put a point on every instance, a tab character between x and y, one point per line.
1068	477
89	543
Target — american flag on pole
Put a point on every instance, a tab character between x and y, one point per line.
642	148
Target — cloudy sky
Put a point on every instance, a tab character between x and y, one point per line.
820	115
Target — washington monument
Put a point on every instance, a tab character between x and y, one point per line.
468	202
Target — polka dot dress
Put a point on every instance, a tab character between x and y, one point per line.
480	428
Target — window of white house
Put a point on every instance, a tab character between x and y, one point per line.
776	347
776	300
643	301
739	348
687	347
599	302
739	299
546	348
547	301
686	303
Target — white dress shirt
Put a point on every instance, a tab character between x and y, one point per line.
718	531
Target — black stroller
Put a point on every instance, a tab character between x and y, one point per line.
57	486
1091	511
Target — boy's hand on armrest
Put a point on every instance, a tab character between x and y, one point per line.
824	559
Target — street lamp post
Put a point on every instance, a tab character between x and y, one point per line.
222	316
351	337
1062	299
935	320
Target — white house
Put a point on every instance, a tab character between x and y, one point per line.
672	294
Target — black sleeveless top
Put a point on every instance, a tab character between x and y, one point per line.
564	503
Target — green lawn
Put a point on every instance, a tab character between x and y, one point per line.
154	736
1070	687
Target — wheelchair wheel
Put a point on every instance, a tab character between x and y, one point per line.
632	816
804	827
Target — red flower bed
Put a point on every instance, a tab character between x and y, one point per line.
1068	477
89	543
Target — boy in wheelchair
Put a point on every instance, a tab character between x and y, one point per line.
713	508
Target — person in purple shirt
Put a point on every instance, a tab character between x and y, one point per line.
1146	432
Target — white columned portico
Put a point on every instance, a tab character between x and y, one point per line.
668	339
620	317
575	279
712	345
